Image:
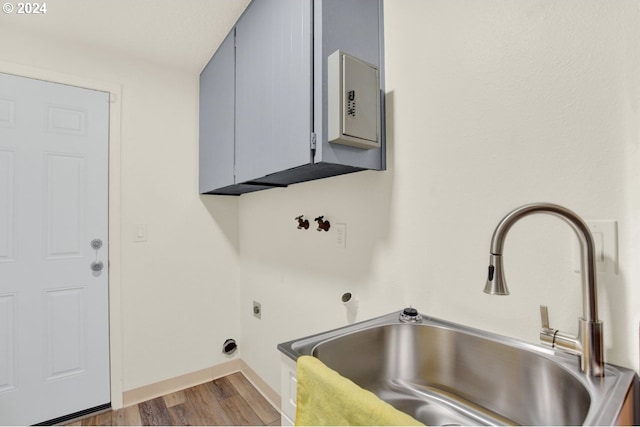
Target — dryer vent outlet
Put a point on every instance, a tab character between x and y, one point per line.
229	346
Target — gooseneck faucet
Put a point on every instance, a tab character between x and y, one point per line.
588	343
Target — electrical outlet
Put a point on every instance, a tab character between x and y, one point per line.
605	239
257	310
341	235
140	233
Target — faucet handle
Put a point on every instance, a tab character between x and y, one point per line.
547	335
544	317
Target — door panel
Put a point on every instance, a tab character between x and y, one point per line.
8	366
54	330
66	339
64	200
7	112
7	205
65	120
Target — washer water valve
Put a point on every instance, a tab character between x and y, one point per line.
302	222
322	224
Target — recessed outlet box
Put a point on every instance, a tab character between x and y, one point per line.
341	235
605	239
140	233
257	310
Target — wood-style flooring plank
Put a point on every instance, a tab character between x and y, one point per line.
103	419
240	412
132	416
184	414
222	388
206	406
91	421
154	412
261	406
118	417
174	399
230	400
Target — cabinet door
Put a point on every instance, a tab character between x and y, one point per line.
217	109
273	87
355	27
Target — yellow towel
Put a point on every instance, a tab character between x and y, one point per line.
324	397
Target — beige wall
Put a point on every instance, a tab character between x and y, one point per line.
491	104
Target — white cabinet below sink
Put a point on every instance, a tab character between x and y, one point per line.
288	386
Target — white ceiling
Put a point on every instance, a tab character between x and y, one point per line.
180	33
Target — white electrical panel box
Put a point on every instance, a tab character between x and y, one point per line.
354	101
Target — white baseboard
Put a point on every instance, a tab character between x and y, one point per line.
171	385
270	394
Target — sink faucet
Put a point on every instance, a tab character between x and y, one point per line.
588	343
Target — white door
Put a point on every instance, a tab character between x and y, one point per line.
54	325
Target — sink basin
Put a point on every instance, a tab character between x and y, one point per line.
442	373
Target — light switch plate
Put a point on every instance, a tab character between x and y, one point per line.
140	233
605	239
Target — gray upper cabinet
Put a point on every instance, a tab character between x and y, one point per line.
273	88
217	110
263	95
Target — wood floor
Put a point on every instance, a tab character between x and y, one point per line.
231	400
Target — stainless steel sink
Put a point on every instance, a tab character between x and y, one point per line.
442	373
